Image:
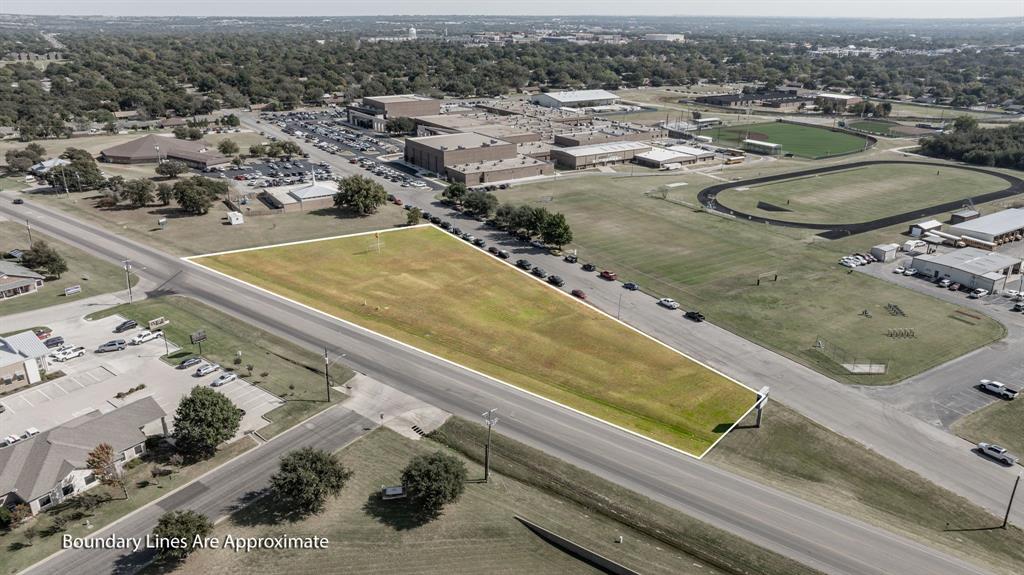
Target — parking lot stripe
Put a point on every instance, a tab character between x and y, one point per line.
57	385
40	392
8	407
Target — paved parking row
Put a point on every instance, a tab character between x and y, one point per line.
58	388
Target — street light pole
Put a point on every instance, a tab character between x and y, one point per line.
127	277
618	311
29	228
490	418
1006	518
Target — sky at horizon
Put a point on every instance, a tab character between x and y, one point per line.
757	8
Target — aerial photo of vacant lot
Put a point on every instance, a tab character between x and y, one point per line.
425	288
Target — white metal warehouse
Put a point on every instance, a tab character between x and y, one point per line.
970	267
997	228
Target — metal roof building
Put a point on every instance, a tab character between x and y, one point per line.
970	267
575	99
996	228
579	157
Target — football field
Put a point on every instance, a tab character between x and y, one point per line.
430	290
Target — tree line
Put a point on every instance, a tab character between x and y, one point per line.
994	147
526	221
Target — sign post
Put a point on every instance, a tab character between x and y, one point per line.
762	398
198	338
72	290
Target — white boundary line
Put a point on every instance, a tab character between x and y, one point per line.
190	259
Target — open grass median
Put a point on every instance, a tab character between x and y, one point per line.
797	455
437	293
1001	422
279	367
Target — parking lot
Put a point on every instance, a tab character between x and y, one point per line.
92	382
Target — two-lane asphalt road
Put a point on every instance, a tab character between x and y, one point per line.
806	532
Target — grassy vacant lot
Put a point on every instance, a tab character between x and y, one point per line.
94	275
280	367
437	293
92	144
1000	423
711	263
801	140
477	534
18	554
860	194
797	455
189	235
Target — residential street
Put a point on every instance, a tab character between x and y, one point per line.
804	531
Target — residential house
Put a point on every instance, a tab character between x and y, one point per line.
16	280
22	360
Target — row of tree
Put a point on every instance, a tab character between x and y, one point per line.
997	147
531	221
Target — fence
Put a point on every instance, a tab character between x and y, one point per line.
849	361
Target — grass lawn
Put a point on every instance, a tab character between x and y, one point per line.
92	144
801	140
477	534
280	367
797	455
437	293
860	194
189	235
94	275
999	423
17	554
13	183
711	263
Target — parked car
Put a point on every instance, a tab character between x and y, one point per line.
479	242
112	345
54	342
539	272
126	325
898	270
189	362
608	275
579	293
694	316
571	258
1010	293
954	286
631	286
206	369
997	389
144	336
668	302
524	264
224	378
18	201
493	250
1018	307
71	353
998	453
589	267
556	280
945	282
504	254
42	333
978	293
910	272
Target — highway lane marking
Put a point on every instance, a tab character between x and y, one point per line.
191	260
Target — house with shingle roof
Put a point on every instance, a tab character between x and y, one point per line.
16	280
48	468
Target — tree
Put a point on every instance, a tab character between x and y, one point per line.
434	480
184	525
35	151
204	419
556	231
360	194
195	195
400	125
965	124
139	192
413	216
116	186
42	256
171	168
480	203
103	463
504	214
20	513
227	147
257	150
81	174
165	192
6	518
455	192
307	477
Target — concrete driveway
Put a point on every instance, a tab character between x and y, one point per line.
92	382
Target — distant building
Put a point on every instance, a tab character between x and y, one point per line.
840	101
22	360
46	165
782	99
313	196
760	147
152	149
374	112
580	157
16	280
472	158
50	467
997	228
575	99
676	38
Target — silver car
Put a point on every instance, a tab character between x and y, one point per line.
998	453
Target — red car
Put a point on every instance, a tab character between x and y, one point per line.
609	275
398	201
579	293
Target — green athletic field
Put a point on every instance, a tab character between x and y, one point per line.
860	194
799	140
436	292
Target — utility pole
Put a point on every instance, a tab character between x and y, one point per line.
327	375
127	278
29	228
618	311
490	418
1006	518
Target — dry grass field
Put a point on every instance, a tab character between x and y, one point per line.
437	293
